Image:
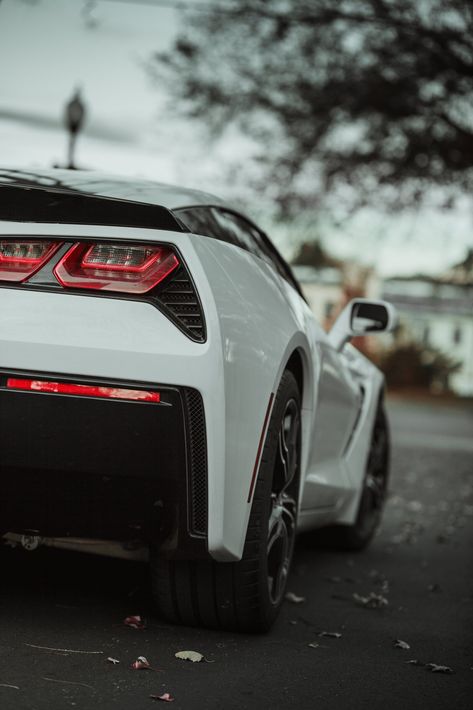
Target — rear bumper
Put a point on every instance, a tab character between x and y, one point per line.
88	467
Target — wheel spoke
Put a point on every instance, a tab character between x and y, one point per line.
281	535
376	488
288	444
375	480
283	511
278	558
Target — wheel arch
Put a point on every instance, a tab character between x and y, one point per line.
296	366
299	360
303	363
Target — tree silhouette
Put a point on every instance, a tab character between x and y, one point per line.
374	97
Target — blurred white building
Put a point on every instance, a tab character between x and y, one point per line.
324	290
438	313
328	289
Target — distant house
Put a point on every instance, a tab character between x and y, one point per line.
438	313
328	290
323	289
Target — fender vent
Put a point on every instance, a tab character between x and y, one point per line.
197	451
181	302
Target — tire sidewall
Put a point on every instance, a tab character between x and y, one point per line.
261	505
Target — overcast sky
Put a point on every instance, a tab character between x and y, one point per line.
49	47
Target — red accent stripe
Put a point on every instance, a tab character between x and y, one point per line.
83	390
260	447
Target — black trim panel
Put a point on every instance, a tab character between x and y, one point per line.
35	204
100	468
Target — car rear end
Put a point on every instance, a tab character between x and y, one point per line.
105	359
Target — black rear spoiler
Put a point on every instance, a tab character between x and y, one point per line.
59	206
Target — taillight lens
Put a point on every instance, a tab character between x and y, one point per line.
115	267
21	258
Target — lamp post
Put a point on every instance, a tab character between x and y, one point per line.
73	118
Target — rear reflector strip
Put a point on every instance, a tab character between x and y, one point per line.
83	390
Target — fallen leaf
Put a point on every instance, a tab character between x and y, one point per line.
193	656
7	685
401	644
414	662
372	601
113	660
316	645
436	668
291	597
165	697
134	622
330	634
140	664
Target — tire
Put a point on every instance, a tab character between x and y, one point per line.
245	595
359	535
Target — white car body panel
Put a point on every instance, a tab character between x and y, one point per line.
255	321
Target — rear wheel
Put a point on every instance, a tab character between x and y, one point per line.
246	595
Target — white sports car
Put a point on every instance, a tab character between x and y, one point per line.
165	392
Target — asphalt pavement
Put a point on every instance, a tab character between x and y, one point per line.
414	584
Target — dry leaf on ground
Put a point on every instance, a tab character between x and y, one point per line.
165	697
134	622
330	634
436	668
291	597
193	656
372	601
113	660
401	644
141	664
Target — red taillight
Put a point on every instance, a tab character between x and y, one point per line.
21	258
85	390
115	267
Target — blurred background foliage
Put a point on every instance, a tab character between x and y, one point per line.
413	367
350	103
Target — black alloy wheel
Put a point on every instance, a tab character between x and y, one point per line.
245	595
283	502
373	494
376	480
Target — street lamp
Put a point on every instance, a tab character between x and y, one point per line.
73	118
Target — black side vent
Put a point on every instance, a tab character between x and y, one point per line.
197	451
182	304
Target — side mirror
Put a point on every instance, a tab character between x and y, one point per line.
360	317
